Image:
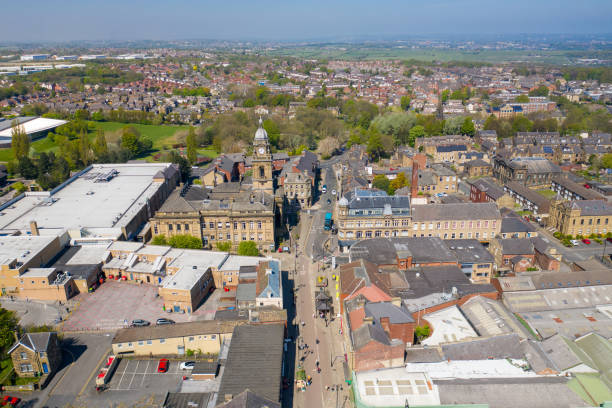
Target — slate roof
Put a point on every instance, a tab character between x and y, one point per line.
458	211
424	281
591	207
269	279
248	399
35	341
369	332
385	251
451	148
483	348
254	361
469	251
396	315
134	334
515	224
356	203
187	400
516	246
487	185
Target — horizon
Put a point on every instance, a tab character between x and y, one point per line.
187	20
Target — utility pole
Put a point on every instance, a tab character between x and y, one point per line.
604	249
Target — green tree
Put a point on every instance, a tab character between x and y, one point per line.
541	90
422	332
397	125
405	102
130	140
452	126
185	241
521	124
224	246
100	147
19	187
522	99
159	240
398	182
27	168
273	132
375	147
415	133
606	161
8	326
467	128
248	248
84	149
20	141
381	182
192	146
445	95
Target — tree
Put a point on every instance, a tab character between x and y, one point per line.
445	95
405	102
396	124
20	141
606	161
398	182
452	126
130	140
224	246
185	241
522	99
100	147
8	326
273	132
192	146
521	124
415	133
19	187
422	332
375	146
248	248
159	240
541	90
381	182
467	128
84	149
27	168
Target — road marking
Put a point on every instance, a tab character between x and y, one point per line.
124	370
134	375
143	377
93	373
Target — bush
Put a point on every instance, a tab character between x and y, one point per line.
557	235
19	187
185	241
159	240
224	246
248	248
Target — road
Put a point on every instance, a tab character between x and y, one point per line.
325	343
578	253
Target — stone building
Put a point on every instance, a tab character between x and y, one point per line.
581	217
529	171
36	354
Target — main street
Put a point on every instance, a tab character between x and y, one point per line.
324	340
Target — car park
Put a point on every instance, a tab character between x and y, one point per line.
140	323
187	365
586	241
163	321
162	366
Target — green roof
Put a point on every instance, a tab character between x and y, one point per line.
590	388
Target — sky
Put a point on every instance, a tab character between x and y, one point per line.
290	20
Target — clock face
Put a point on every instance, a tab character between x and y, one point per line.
261	150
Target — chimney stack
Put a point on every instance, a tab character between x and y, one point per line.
414	187
34	228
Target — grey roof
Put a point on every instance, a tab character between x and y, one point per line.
246	292
385	251
483	348
256	349
35	341
469	250
396	314
205	367
592	207
458	211
516	224
361	202
487	185
477	163
187	400
542	202
516	246
369	332
534	165
424	281
559	351
248	399
423	355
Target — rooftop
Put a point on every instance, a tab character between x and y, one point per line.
457	211
448	325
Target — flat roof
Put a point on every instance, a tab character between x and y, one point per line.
169	331
392	387
37	273
23	247
466	369
84	255
571	322
234	262
101	208
558	299
31	126
185	278
448	325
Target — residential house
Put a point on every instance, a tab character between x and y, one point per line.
36	354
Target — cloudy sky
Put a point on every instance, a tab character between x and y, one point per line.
61	20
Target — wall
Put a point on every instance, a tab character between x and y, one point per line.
207	343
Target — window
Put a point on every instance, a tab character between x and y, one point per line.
235	225
141	343
186	227
219	225
23	355
358	234
259	224
211	225
155	229
169	227
26	368
213	336
191	338
162	341
377	234
243	225
149	341
178	227
251	225
368	234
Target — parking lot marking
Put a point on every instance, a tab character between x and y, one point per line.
123	373
134	375
144	376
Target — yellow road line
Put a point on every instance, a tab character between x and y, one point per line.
93	373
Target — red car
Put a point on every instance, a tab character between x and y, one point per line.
586	241
162	366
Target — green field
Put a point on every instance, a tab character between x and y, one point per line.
547	193
349	52
162	136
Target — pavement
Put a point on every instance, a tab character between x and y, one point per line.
34	312
115	304
330	346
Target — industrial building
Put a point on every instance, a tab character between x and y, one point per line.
35	128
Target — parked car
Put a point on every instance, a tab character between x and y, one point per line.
586	241
575	242
163	321
162	366
140	323
609	239
187	365
333	192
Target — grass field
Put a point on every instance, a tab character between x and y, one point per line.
162	136
547	193
345	51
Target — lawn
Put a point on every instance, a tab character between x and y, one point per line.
547	193
162	136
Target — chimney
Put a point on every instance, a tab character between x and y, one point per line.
414	187
34	228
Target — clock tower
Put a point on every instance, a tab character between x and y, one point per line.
262	161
